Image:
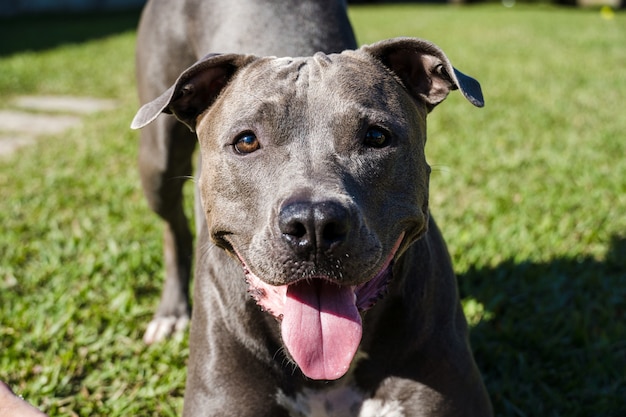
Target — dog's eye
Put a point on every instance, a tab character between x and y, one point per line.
246	143
376	137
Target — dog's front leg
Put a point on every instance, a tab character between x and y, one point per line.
233	349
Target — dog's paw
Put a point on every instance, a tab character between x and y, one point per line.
163	327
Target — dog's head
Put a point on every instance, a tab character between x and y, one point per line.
314	177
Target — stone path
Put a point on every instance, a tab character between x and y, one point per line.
32	117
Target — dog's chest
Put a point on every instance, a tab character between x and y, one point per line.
339	401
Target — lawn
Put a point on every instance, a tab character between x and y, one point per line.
530	193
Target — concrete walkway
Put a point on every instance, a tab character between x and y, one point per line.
33	117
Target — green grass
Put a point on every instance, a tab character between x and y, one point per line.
530	193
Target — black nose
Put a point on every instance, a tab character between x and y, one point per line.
314	227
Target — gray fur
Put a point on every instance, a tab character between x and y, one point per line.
317	201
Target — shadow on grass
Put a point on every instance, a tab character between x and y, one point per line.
556	341
40	32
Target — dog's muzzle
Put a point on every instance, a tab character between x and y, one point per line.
320	318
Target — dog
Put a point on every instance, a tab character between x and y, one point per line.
323	286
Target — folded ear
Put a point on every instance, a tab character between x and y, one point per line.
425	70
194	90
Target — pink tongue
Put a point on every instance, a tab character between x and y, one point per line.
321	328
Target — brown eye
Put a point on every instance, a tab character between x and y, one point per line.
376	138
246	143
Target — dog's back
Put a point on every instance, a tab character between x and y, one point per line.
172	35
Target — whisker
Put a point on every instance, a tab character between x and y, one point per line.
184	177
207	247
441	168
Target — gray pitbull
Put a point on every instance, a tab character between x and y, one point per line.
323	285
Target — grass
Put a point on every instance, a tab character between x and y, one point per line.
530	193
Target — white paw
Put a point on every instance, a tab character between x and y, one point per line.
163	327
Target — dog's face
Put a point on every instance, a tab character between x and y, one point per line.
320	146
314	178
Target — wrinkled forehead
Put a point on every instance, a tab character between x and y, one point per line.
351	76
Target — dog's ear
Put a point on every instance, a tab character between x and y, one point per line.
425	70
194	90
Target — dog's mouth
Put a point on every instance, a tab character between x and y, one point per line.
320	319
